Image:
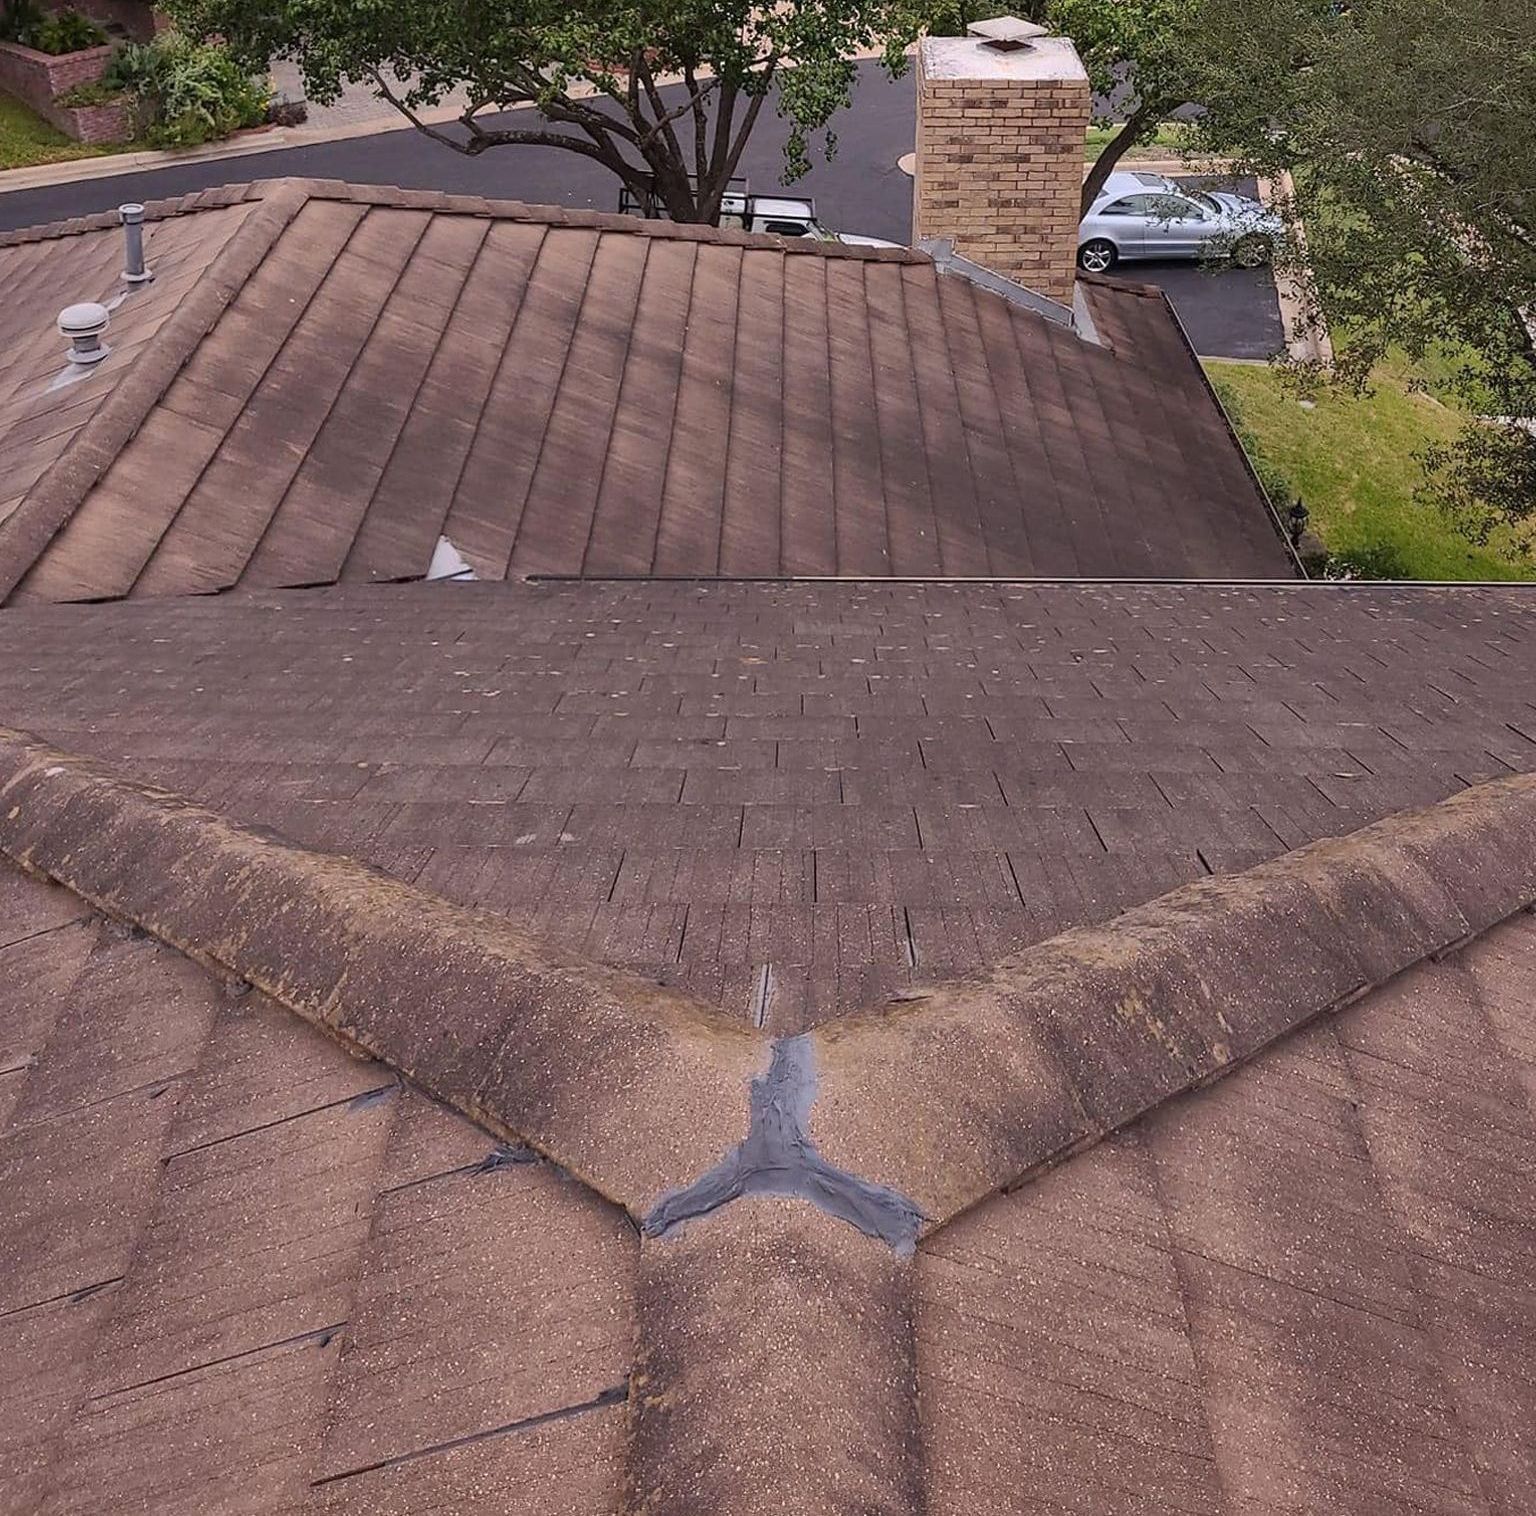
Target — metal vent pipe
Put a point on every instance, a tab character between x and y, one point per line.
134	269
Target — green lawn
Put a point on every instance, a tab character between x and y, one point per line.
1352	460
1166	143
26	139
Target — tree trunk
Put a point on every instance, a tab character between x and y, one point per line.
1143	119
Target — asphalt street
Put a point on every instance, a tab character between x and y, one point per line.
1228	313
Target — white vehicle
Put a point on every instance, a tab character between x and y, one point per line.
778	215
1139	215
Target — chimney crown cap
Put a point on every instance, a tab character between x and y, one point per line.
1007	31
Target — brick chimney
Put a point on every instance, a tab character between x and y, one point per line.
1002	115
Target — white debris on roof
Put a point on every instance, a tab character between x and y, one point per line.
448	562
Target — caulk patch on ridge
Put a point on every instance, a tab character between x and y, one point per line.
779	1158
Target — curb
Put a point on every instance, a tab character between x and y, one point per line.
44	175
260	140
1196	167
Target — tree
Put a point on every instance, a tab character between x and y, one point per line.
1410	129
1145	58
662	93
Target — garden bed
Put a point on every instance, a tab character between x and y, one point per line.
133	18
26	140
38	79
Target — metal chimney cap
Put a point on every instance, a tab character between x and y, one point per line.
1007	34
131	213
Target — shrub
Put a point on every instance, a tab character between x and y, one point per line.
67	31
188	92
56	32
1381	561
288	113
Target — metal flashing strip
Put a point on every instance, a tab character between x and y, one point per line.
948	261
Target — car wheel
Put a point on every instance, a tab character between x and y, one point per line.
1097	256
1252	250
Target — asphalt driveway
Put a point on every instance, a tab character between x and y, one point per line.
1229	313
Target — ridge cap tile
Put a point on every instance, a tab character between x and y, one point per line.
639	1091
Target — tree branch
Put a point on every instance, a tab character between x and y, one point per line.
696	96
568	112
421	126
661	120
718	174
749	120
695	104
1146	114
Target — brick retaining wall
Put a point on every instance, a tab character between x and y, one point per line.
38	79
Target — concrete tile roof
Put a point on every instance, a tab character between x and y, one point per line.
44	400
1307	1287
561	393
586	1047
206	1200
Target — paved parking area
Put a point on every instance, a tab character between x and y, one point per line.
1229	312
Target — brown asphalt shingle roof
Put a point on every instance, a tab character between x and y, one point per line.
559	393
1081	945
794	800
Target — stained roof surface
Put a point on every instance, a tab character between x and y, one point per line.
1306	1288
561	393
207	1201
243	1269
712	1048
794	800
44	401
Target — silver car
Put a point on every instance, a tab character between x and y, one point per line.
1140	215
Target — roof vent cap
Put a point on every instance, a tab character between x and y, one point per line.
1007	34
83	324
